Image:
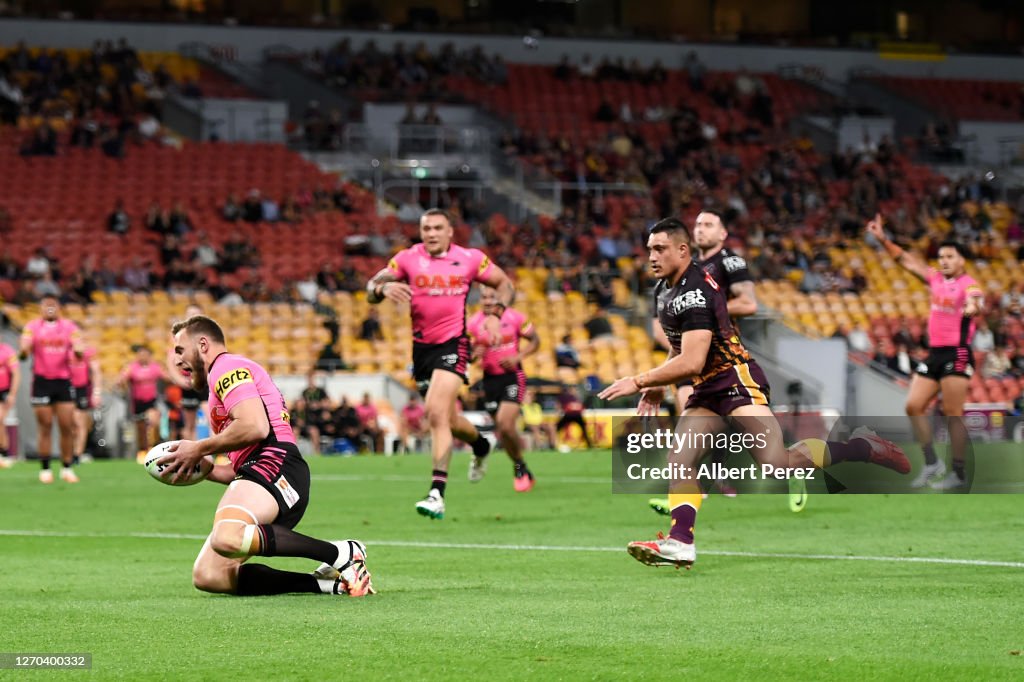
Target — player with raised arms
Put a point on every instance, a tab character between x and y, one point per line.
10	376
51	340
497	342
956	300
728	383
267	479
434	277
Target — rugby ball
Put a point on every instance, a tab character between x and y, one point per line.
157	471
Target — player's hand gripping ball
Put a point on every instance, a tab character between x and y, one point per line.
162	472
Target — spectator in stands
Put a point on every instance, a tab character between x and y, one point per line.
138	276
984	340
330	359
314	394
605	113
290	211
269	210
368	419
566	355
370	329
118	221
598	326
148	127
45	286
302	424
84	130
857	338
180	221
814	281
252	207
111	141
572	413
695	70
157	220
412	423
9	268
347	423
42	143
39	264
599	283
587	69
205	254
997	364
232	210
564	70
901	361
106	277
1013	300
170	250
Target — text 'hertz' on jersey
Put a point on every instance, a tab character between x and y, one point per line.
232	379
440	285
727	268
698	302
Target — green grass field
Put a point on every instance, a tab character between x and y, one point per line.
509	586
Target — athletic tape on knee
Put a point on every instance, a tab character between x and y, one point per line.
235	506
252	541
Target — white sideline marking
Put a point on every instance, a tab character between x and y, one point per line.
417	479
551	548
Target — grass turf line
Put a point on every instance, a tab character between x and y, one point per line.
447	613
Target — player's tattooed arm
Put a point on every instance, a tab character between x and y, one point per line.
498	280
910	262
743	301
386	285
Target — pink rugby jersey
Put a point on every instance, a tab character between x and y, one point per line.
232	379
52	344
440	285
947	325
80	367
8	361
514	326
142	380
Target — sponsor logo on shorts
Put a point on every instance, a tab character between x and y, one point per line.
690	299
491	406
921	368
450	358
290	495
512	391
231	380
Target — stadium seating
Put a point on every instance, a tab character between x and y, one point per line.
895	299
962	99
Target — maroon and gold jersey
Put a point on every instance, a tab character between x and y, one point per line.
697	301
